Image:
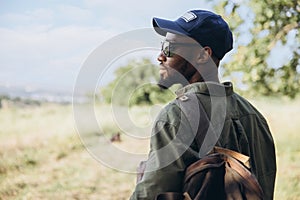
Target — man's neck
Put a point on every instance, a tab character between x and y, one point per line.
212	77
205	73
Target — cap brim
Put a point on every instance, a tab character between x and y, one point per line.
162	27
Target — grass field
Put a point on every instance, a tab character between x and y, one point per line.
42	157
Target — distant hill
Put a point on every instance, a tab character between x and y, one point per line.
41	95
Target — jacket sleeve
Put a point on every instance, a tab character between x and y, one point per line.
169	155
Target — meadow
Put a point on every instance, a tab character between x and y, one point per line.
42	156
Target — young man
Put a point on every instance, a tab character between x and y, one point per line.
193	47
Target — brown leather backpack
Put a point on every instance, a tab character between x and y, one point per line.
222	174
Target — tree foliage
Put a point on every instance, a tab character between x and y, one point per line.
135	84
273	24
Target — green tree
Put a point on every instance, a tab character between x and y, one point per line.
135	84
267	25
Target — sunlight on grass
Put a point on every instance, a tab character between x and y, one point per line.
284	118
42	157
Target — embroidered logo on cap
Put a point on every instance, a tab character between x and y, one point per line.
189	16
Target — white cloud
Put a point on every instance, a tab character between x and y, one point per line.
97	3
37	16
53	41
139	9
75	13
29	56
16	18
43	14
125	15
61	14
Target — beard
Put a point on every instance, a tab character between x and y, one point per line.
173	78
164	83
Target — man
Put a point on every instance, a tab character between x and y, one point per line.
193	47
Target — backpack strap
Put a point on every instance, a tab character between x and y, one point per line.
245	160
248	179
205	135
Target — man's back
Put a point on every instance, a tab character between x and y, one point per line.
246	131
243	129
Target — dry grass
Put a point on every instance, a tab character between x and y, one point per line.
41	155
284	120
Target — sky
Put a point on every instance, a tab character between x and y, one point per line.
43	44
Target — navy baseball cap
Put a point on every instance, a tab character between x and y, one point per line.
207	28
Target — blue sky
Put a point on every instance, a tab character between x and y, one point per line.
44	43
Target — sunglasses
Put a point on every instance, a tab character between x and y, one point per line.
168	47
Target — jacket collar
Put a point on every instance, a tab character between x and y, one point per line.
207	88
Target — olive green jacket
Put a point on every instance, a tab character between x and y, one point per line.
242	128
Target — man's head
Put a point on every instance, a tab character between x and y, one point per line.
204	28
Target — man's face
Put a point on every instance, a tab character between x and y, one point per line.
176	59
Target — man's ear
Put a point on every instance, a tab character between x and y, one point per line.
205	55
